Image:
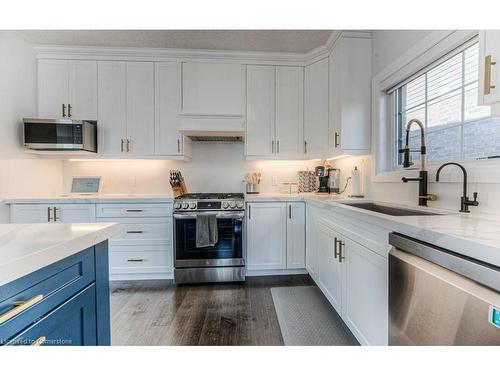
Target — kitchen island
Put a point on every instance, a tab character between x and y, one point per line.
54	284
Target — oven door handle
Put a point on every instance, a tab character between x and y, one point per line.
220	215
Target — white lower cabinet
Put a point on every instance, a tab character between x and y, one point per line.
352	277
52	213
364	302
275	236
143	247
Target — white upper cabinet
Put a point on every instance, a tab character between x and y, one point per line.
112	104
489	67
210	88
67	89
52	88
289	112
350	97
316	109
260	136
275	127
140	108
82	103
168	139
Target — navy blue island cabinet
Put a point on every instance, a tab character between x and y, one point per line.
65	303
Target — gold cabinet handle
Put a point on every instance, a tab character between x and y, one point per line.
64	110
341	253
335	253
337	141
20	307
56	210
39	341
488	62
69	110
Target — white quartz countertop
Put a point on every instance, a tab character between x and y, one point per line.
94	198
473	235
25	248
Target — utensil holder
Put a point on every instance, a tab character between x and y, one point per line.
253	188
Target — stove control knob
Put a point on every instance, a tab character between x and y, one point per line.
232	205
192	205
239	205
177	205
185	205
225	205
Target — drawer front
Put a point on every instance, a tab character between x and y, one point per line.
71	324
138	231
147	259
30	297
134	210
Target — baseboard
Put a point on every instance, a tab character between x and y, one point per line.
301	271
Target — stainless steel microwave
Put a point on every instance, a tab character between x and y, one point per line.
60	135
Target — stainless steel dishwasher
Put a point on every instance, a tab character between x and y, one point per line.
438	297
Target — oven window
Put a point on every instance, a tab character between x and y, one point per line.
229	245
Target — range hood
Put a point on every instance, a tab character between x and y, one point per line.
213	128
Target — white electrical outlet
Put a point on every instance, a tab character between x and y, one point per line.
275	180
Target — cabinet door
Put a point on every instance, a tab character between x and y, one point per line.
260	111
312	243
335	116
489	50
266	236
75	213
30	213
168	140
289	112
213	88
296	235
329	268
112	106
73	324
365	300
82	90
355	92
52	88
140	108
316	109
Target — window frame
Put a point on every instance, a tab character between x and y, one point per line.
397	98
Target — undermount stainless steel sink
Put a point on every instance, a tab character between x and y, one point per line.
388	210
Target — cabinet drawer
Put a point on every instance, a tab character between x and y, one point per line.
139	231
42	291
134	210
134	259
73	323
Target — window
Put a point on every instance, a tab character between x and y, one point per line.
444	98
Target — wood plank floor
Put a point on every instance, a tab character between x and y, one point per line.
160	313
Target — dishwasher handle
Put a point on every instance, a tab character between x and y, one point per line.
476	270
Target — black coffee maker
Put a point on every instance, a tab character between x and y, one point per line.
323	176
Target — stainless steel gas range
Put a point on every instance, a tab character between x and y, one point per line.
223	259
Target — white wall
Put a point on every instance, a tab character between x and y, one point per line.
387	47
21	174
214	168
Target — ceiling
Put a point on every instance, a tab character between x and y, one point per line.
298	41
